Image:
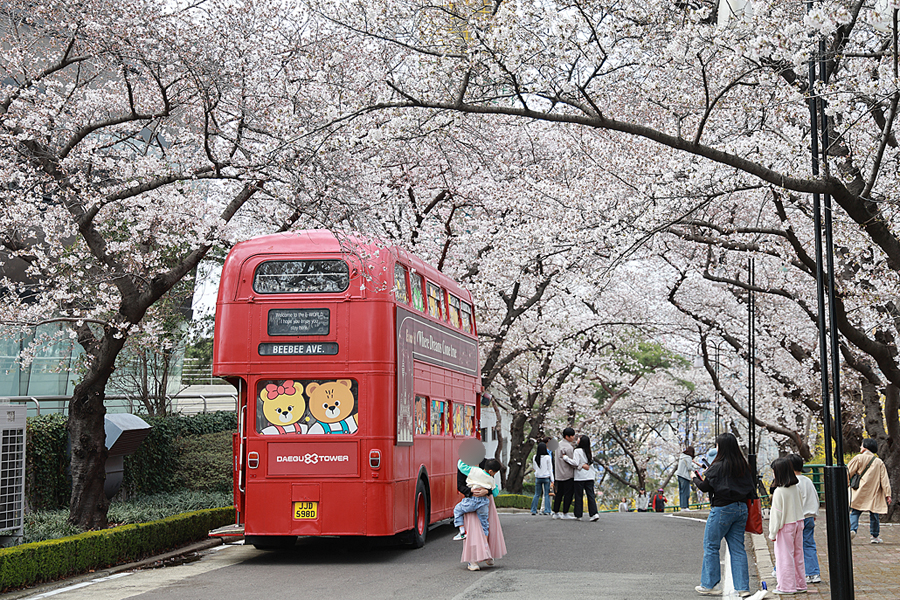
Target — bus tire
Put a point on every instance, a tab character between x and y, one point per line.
415	537
271	542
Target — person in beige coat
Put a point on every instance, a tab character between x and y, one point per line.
874	493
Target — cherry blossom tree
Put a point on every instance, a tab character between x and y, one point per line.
720	104
136	136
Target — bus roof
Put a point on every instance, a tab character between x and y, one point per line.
372	251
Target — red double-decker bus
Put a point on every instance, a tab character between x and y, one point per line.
356	366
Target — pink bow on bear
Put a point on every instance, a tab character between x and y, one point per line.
273	391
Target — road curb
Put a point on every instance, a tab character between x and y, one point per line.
764	563
61	583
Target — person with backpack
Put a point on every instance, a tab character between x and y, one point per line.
658	501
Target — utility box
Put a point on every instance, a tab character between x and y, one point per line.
12	474
124	433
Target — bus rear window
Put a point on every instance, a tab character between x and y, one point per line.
301	277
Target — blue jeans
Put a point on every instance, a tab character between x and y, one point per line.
684	492
874	523
541	483
726	522
479	505
810	560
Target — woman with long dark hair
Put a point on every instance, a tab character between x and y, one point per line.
729	483
543	478
786	529
584	479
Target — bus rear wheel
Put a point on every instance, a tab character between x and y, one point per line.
271	542
415	537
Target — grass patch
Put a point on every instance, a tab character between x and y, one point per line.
51	524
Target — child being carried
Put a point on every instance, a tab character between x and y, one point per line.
480	505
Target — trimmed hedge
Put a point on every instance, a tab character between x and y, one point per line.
54	559
513	501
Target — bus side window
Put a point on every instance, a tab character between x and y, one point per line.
447	423
421	427
459	427
437	417
465	315
400	290
418	296
435	294
470	421
453	311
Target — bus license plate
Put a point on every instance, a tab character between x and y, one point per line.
306	510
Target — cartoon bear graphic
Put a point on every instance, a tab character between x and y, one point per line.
283	406
332	403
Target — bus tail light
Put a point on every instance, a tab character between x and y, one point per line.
375	459
253	459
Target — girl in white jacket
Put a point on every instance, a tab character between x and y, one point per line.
786	528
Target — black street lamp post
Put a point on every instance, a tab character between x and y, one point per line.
837	514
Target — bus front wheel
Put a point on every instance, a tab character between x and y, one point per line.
415	537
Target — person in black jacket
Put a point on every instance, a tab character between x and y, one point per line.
729	483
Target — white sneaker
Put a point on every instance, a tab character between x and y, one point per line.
595	517
568	516
813	579
489	562
577	518
555	516
459	536
473	567
876	541
852	534
707	591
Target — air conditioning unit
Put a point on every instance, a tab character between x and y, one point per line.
12	474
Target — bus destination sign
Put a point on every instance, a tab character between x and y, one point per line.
298	321
300	348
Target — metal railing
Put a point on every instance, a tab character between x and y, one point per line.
191	403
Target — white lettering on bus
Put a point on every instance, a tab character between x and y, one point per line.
311	458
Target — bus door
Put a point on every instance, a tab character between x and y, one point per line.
239	452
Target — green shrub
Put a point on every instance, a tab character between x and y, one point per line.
153	468
513	501
205	462
53	559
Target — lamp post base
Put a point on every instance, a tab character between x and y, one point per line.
837	524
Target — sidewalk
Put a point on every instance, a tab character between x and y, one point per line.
875	566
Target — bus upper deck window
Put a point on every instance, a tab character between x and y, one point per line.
418	295
465	315
301	276
400	290
435	297
453	310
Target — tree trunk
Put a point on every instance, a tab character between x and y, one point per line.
87	435
519	451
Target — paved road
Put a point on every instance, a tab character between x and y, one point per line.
637	556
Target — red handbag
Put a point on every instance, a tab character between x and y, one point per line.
754	516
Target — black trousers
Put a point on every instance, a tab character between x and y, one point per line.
565	489
585	487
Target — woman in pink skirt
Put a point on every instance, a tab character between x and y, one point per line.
477	548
